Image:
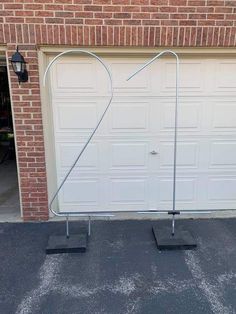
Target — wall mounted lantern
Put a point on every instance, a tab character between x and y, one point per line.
19	66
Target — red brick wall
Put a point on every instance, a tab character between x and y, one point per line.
29	138
143	23
119	22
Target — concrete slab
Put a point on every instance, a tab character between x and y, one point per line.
9	192
122	271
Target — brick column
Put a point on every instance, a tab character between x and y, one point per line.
27	116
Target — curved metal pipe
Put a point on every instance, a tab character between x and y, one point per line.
93	132
176	117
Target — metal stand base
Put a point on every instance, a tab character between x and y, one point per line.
75	243
181	240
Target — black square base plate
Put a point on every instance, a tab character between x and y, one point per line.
182	240
76	243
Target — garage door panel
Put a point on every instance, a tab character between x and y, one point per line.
83	194
223	154
129	155
105	155
124	155
190	115
223	116
73	76
114	193
224	78
129	117
76	75
222	189
68	153
78	116
84	191
186	189
128	190
187	157
189	83
138	84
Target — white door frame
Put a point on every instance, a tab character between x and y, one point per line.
45	52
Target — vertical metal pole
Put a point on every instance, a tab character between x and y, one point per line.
67	227
89	226
173	225
175	121
175	142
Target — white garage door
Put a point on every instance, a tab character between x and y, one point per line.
118	170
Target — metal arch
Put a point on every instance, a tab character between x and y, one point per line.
176	120
91	135
111	213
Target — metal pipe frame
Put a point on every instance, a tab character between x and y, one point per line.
112	213
176	119
80	214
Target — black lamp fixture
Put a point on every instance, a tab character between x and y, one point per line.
19	66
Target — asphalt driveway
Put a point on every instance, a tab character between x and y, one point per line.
122	272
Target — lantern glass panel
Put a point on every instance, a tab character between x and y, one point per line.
23	67
17	67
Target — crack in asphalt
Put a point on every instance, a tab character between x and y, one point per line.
126	285
210	291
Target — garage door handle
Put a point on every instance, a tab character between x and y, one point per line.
153	152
